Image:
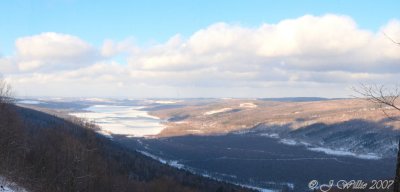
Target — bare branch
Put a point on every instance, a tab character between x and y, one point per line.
381	96
392	40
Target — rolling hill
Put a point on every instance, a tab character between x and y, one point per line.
348	125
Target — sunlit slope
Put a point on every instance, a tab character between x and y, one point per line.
347	125
234	114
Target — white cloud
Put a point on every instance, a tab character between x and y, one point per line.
111	48
330	42
53	51
305	56
7	65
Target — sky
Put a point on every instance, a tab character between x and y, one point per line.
198	48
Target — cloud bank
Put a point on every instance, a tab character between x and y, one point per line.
305	56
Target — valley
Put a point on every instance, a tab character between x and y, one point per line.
258	143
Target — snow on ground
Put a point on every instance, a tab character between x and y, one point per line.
123	120
248	105
288	142
180	122
344	153
176	164
7	186
164	101
29	102
95	99
328	151
272	135
256	188
217	111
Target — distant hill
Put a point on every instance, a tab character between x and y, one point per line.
46	153
295	99
352	125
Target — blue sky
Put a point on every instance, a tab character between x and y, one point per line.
157	20
197	48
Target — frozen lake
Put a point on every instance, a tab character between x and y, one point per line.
122	120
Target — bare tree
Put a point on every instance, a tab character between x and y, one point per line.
386	98
6	94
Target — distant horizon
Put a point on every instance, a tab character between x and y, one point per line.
177	98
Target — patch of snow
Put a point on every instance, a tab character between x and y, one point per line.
248	105
176	164
152	156
53	98
272	135
345	153
228	175
305	143
95	99
288	142
256	188
180	122
290	185
164	101
29	102
7	186
217	111
242	132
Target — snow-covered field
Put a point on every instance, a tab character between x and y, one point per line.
123	120
248	105
212	112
